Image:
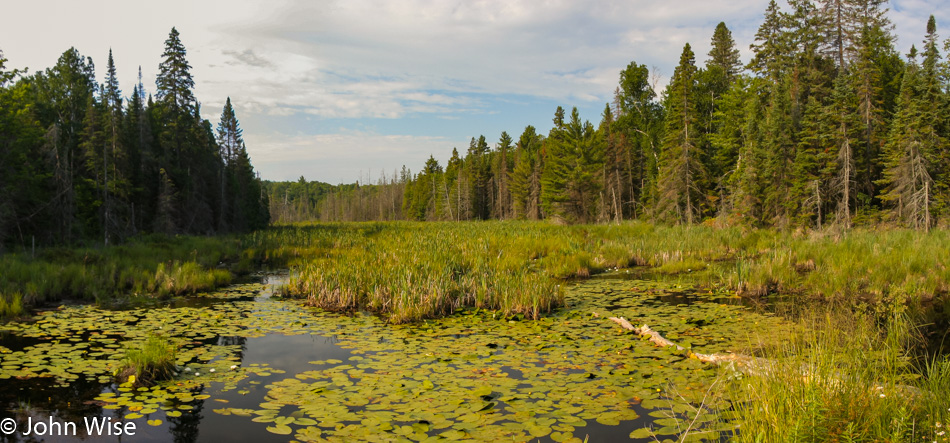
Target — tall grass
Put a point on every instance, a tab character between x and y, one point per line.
846	377
151	265
402	267
865	265
151	361
410	271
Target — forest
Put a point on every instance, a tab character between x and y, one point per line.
826	125
684	270
80	162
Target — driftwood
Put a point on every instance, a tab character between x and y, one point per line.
752	365
745	363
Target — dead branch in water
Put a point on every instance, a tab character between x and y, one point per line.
737	362
751	365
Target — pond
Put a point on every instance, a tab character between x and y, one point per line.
254	367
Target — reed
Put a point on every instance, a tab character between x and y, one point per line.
151	361
151	265
846	377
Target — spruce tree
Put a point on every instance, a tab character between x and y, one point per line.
724	53
908	187
174	82
570	185
682	175
526	176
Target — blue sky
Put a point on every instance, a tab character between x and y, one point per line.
339	91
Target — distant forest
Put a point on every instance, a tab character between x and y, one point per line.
827	125
81	163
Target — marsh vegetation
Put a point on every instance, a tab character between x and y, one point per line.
488	331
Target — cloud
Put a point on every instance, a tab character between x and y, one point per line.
360	58
344	156
397	66
248	57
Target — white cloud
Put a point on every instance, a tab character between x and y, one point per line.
344	156
291	61
361	58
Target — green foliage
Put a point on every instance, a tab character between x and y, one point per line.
574	158
152	265
841	378
149	362
682	176
77	164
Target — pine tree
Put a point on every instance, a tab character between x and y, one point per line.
932	123
908	187
639	125
724	54
569	184
613	177
778	143
748	183
24	178
874	64
174	83
229	140
526	176
116	166
63	94
771	49
682	176
502	170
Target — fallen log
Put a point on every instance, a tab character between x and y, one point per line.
747	364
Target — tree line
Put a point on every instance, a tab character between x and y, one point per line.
80	162
827	125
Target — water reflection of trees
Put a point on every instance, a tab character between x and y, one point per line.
40	399
184	429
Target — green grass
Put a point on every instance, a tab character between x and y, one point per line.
411	271
847	376
11	305
417	270
153	265
151	361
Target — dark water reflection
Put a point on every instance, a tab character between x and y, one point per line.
39	399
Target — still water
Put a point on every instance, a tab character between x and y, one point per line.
254	367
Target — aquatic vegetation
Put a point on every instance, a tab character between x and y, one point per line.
475	374
148	362
894	266
150	265
412	271
842	378
11	305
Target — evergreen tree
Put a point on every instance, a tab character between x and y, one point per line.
908	187
569	185
230	141
526	176
724	55
24	178
501	172
874	67
63	95
638	125
682	175
174	83
771	51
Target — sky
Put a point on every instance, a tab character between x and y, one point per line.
344	91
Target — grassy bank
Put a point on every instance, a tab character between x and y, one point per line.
418	270
847	377
154	265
